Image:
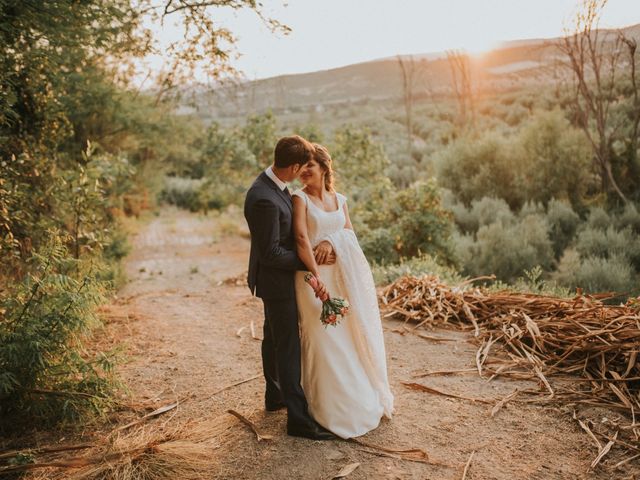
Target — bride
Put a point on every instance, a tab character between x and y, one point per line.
344	371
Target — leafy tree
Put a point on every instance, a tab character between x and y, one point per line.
473	168
259	134
419	224
556	159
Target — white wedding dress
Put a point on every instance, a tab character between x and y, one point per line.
344	370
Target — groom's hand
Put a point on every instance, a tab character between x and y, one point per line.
324	253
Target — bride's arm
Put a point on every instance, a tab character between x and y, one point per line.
305	252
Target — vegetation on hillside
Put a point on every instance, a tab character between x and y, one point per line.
531	178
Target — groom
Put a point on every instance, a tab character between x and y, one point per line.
272	265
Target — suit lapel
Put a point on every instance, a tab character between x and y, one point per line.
287	200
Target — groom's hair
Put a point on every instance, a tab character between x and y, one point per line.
292	150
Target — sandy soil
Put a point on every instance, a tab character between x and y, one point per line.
183	342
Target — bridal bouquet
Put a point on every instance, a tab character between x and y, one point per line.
332	308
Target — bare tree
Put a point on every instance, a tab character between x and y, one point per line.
410	71
603	84
461	81
206	47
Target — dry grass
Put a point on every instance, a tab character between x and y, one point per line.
589	345
152	451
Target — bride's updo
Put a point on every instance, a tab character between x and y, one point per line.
321	155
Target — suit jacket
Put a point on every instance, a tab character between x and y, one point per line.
273	260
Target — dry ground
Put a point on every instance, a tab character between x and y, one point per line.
183	342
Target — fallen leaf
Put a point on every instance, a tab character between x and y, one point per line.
346	470
251	425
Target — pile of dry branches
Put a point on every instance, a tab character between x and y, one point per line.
583	340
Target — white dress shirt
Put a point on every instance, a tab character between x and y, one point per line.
281	185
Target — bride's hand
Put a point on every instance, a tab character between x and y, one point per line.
321	291
324	253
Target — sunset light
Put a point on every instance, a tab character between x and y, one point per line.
320	239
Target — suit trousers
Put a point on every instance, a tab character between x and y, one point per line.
281	359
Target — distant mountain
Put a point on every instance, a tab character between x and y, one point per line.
513	64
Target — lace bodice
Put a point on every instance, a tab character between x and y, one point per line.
319	222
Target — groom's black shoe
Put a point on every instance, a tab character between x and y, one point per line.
274	406
314	432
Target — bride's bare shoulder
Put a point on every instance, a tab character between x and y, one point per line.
300	196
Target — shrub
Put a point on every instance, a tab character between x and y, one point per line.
182	192
597	274
563	223
465	220
508	250
463	248
607	243
481	167
533	281
491	210
630	217
417	267
378	245
419	223
555	157
46	373
598	218
360	163
259	134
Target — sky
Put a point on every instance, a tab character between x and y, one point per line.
332	33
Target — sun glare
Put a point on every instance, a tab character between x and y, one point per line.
478	46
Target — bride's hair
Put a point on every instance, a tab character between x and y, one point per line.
321	155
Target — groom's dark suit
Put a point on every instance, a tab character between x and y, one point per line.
272	265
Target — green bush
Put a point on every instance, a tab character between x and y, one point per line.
491	210
545	158
473	168
360	164
417	267
598	274
556	158
464	219
610	243
598	219
508	250
563	223
259	134
46	374
630	217
533	281
464	249
419	223
182	192
378	245
232	159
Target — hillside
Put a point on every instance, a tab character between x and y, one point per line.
512	65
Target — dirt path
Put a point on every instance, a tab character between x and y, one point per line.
184	342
